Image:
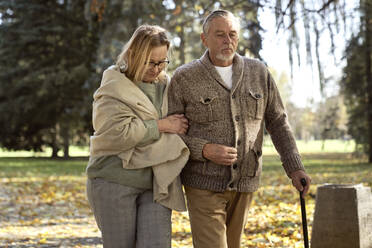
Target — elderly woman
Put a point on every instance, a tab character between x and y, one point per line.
136	154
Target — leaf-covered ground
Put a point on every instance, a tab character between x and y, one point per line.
43	203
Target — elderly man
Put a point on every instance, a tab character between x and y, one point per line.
228	100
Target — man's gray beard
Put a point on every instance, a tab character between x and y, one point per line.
225	57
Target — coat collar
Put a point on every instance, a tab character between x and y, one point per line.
116	85
238	65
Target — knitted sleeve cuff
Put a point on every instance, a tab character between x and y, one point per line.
292	163
152	132
195	146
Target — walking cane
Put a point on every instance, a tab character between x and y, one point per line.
303	213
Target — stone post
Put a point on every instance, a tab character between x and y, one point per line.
343	217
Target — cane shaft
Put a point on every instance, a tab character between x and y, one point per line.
303	213
304	221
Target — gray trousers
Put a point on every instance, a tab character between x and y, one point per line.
128	217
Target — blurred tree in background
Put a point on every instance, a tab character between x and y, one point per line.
47	53
357	81
332	119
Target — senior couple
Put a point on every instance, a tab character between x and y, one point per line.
202	129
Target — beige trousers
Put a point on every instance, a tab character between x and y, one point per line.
217	219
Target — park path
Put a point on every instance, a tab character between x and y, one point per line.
53	212
45	213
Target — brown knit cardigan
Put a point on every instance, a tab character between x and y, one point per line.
235	117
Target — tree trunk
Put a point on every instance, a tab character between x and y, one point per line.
66	140
368	43
54	143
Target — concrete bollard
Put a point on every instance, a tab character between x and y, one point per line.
343	217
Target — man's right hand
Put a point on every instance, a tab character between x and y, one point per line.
220	154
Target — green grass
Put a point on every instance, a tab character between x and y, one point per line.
331	162
332	165
337	168
27	163
75	151
29	167
315	146
325	166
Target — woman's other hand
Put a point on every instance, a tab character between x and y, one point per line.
176	123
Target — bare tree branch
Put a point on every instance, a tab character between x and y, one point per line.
325	5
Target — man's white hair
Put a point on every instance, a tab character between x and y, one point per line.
219	13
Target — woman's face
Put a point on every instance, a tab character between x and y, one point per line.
157	63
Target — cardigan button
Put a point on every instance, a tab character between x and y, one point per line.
239	142
258	96
231	185
235	166
237	117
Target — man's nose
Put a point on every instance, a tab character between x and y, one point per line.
227	39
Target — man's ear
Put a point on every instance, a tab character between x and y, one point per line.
203	39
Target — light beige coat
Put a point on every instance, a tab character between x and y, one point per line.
119	109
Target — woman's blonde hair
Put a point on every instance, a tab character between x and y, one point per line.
136	53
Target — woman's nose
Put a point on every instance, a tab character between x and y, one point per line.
155	68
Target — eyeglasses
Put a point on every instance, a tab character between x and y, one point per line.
161	64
